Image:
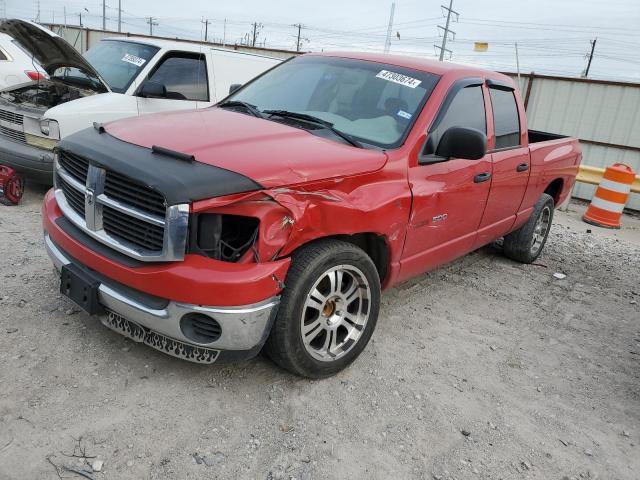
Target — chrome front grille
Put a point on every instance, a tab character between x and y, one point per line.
11	117
120	212
14	135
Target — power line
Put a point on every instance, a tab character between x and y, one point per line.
446	29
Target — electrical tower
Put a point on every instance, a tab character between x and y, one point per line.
104	14
447	30
119	15
387	43
206	23
152	23
3	9
590	57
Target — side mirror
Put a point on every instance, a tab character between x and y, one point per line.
460	142
151	89
234	88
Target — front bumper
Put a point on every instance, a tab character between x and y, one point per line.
35	163
156	322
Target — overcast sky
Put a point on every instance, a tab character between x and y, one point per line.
553	35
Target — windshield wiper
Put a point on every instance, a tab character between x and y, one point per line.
252	109
318	121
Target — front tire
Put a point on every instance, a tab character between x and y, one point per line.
328	310
525	244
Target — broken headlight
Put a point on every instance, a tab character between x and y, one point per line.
222	237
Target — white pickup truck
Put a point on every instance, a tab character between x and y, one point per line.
119	77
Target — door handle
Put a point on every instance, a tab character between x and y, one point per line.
523	167
481	177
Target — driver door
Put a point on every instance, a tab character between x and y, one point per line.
449	195
184	74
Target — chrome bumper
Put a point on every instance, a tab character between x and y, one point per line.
243	328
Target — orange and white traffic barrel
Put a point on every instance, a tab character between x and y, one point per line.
610	197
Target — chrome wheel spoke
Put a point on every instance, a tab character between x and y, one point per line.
311	330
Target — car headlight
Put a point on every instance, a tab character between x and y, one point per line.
50	128
44	127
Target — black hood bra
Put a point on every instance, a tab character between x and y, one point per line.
178	180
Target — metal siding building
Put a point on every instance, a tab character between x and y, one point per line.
604	115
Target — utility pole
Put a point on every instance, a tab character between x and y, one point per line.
590	57
447	30
119	15
518	67
3	9
206	28
224	33
152	22
256	31
299	39
104	14
38	16
387	43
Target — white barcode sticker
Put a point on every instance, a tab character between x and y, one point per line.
399	78
133	59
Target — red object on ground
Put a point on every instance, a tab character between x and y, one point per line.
611	196
11	186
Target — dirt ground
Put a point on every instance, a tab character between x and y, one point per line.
482	369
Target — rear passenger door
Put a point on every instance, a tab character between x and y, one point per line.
511	164
184	74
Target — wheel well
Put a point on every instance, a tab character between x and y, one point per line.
554	189
375	246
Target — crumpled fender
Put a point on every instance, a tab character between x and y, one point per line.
293	216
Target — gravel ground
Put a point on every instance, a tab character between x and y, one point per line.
482	369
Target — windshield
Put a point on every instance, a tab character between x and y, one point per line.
117	62
373	102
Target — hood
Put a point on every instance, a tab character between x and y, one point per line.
270	153
47	48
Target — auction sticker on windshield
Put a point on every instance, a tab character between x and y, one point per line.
137	61
399	78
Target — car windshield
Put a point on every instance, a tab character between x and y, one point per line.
372	102
117	62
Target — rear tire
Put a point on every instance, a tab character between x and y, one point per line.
328	310
525	244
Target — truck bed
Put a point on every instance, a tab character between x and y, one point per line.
536	136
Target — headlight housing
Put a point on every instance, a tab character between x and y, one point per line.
223	237
50	128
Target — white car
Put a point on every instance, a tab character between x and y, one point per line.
118	78
16	65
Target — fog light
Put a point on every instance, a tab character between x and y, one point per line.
200	328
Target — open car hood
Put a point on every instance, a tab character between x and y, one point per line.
48	49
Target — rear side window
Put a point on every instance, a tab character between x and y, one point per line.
465	110
505	118
2	55
185	77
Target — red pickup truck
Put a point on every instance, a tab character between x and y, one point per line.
275	218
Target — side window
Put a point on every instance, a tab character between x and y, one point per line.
184	75
465	110
2	55
505	118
